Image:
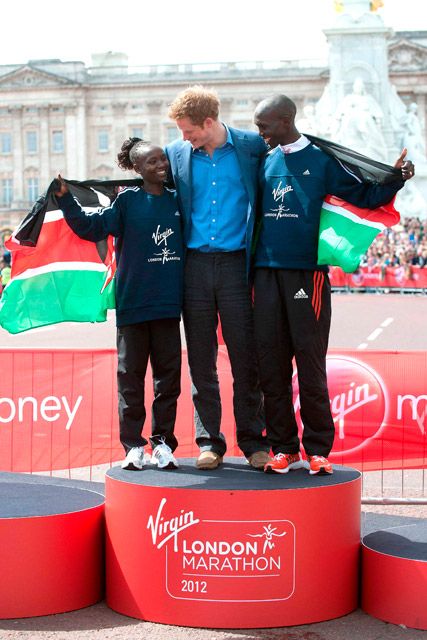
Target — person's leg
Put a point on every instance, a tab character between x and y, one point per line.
200	322
310	319
275	353
236	314
165	357
132	353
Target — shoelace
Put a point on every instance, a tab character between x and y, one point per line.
318	459
288	456
161	450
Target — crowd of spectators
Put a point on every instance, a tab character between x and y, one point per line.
405	245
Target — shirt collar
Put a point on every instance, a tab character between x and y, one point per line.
299	144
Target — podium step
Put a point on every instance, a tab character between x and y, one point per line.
394	574
51	546
233	547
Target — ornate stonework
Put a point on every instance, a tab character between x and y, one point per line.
406	56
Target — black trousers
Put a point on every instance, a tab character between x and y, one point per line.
292	318
160	341
215	285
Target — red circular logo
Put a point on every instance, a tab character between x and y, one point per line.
359	402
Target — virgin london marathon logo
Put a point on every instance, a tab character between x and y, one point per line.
281	211
161	238
201	555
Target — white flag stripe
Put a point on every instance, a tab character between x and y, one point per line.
61	266
353	217
54	216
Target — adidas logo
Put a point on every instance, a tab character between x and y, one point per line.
306	172
300	294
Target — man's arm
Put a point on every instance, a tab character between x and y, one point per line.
343	183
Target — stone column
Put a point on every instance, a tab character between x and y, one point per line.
18	158
72	143
119	128
44	148
154	132
81	141
225	109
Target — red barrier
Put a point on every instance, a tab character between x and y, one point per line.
402	277
58	409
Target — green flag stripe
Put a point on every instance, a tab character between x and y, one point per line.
57	296
342	241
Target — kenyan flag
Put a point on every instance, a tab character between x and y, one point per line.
56	276
346	231
59	280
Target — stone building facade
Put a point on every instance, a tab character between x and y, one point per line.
65	117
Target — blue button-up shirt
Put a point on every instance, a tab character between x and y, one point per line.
219	200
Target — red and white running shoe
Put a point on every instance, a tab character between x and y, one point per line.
284	462
319	464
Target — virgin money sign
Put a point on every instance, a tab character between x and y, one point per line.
379	407
58	409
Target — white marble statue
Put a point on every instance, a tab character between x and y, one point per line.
413	138
358	121
308	123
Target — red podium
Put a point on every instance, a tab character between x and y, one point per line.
394	576
51	546
232	547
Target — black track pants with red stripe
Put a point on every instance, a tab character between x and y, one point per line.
292	315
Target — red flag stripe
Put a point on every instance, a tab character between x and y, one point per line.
57	243
386	215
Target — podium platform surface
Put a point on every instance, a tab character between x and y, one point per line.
404	541
28	500
394	576
51	547
235	473
232	547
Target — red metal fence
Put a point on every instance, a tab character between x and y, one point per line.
58	409
401	278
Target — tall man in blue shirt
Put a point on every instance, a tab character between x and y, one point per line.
215	172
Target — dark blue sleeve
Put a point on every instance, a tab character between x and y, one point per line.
342	183
92	226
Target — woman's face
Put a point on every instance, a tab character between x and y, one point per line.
152	165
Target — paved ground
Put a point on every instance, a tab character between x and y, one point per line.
100	623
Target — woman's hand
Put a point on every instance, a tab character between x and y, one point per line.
62	187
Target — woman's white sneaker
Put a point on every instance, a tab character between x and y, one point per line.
134	460
163	457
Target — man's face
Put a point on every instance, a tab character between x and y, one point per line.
197	135
271	127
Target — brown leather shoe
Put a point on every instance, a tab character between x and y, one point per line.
208	460
258	459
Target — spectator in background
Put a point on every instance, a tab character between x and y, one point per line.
5	271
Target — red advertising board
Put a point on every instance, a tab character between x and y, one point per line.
401	277
58	409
